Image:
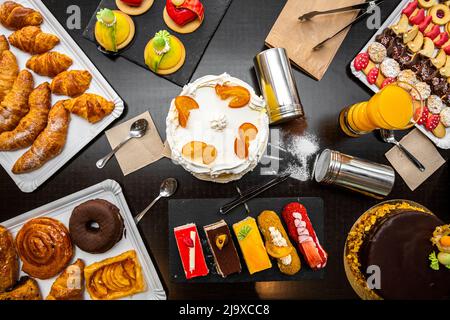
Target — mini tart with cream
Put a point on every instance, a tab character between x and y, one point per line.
184	16
134	7
114	29
164	53
217	128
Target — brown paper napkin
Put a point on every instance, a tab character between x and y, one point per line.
167	152
137	153
424	150
298	38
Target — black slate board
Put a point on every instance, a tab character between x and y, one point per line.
205	211
152	21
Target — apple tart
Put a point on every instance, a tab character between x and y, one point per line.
115	277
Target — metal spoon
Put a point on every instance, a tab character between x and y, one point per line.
167	189
137	130
388	136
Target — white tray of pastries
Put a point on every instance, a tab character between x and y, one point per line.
90	103
46	263
417	39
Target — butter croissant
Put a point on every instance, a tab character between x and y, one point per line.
15	16
15	105
48	144
71	83
90	106
8	68
49	64
33	40
70	283
32	124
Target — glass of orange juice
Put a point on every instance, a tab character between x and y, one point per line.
397	106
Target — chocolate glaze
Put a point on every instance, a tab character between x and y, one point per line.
439	86
396	49
386	37
400	245
227	260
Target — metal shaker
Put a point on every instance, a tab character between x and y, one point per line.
277	85
363	176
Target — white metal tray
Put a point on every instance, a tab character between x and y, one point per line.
80	131
443	143
62	209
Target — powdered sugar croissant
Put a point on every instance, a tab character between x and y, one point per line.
90	106
33	40
49	64
71	83
15	16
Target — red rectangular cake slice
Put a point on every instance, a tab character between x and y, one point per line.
191	252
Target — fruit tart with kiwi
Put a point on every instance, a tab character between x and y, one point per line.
217	128
164	53
184	16
114	30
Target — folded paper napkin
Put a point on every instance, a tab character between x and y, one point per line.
424	150
299	38
137	153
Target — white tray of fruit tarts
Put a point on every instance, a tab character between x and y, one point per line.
217	128
413	46
83	246
53	100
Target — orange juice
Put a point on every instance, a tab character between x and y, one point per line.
391	108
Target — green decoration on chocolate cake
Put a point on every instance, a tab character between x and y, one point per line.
434	263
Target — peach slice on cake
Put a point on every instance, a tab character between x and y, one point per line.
199	151
248	130
240	95
184	105
241	148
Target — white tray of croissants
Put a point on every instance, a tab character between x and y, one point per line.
53	100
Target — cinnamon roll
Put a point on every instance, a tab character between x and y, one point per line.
45	247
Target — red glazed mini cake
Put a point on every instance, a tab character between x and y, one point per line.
302	232
191	252
184	16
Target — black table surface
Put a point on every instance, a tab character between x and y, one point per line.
240	36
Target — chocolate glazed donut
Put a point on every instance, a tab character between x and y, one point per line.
96	226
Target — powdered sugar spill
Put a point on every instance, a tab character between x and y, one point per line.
302	148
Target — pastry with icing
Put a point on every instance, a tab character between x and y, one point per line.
277	243
134	7
217	128
184	16
164	53
190	250
252	245
114	29
226	258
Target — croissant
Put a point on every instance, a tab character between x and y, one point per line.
15	16
26	289
8	68
32	124
9	261
33	40
69	284
15	105
90	106
49	64
71	83
48	144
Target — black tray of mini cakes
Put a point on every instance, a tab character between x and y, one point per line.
204	212
152	21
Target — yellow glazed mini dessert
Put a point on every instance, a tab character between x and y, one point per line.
164	53
114	30
252	246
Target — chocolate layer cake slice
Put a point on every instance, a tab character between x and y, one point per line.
225	255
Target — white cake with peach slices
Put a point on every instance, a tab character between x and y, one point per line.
217	128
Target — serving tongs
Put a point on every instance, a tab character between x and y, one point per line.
252	193
365	8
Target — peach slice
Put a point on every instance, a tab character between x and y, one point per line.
248	130
184	105
240	95
241	148
199	151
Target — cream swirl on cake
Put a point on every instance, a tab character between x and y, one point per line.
217	128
